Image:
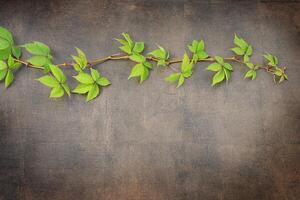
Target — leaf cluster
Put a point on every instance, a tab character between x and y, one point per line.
242	48
223	70
197	49
186	71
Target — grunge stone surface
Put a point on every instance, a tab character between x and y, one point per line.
152	141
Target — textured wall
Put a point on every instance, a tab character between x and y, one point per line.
233	142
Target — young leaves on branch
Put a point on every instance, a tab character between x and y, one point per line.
141	69
7	46
90	84
242	48
279	73
41	55
161	54
129	46
223	70
7	69
186	72
197	48
252	72
57	81
80	60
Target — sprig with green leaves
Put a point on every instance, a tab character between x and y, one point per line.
223	70
91	81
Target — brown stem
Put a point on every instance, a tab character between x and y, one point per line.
119	56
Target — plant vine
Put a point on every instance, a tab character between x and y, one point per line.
91	81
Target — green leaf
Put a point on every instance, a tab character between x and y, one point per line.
137	70
202	55
103	81
214	67
128	39
273	60
144	75
3	74
95	74
227	74
240	42
250	65
126	49
15	66
10	61
246	58
253	75
147	64
218	77
48	81
138	47
249	51
82	88
93	93
186	65
56	92
66	88
58	73
160	53
6	34
173	77
9	78
38	61
84	78
4	44
16	51
137	58
180	81
219	59
249	74
37	48
3	65
4	53
238	51
228	66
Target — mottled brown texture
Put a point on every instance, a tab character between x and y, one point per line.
234	142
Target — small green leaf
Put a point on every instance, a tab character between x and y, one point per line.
126	49
214	67
138	47
84	78
240	42
66	88
16	51
82	88
172	78
137	70
128	39
249	51
48	81
56	92
218	77
219	59
38	61
37	48
4	53
228	66
6	34
186	65
3	74
95	74
250	65
9	78
58	73
180	81
238	51
10	61
249	74
93	93
253	74
103	81
4	44
137	58
3	65
227	74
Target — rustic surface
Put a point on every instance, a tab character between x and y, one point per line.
233	142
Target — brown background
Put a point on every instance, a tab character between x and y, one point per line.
237	141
